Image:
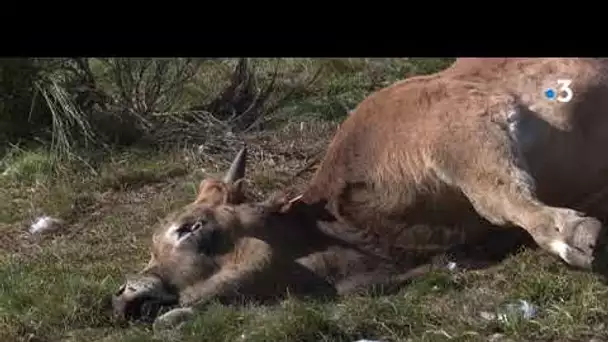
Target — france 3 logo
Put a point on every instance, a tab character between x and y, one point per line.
562	93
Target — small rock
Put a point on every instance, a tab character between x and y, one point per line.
499	338
46	224
452	266
173	319
488	316
496	337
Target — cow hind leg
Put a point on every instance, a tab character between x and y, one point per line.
501	190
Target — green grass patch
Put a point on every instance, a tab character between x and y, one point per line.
54	288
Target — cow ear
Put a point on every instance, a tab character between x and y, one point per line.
236	191
230	189
212	192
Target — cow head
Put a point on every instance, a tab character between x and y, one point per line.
195	243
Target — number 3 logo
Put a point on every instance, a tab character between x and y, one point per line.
564	87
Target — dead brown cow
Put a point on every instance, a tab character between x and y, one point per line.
420	167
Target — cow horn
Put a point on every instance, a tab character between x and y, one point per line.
237	168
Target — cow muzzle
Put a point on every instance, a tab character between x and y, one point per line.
142	299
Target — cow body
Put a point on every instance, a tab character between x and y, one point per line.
419	153
419	168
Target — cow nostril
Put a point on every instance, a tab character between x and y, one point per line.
121	290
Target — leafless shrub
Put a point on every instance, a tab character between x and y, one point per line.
147	85
241	107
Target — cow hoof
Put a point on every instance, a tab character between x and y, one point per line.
582	243
173	319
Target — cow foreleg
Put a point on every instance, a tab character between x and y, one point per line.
502	191
225	283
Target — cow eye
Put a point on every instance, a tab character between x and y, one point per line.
121	290
184	229
189	227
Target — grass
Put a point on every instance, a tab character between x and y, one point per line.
53	288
